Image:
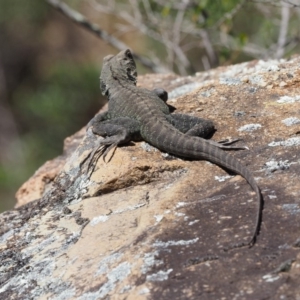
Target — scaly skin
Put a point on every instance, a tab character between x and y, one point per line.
136	113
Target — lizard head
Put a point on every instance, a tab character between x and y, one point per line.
117	67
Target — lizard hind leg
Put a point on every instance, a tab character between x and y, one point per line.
202	128
206	127
161	93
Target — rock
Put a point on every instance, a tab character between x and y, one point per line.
148	225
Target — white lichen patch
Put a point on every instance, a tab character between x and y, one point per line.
39	272
270	277
230	81
105	263
144	291
99	219
113	276
161	244
268	65
294	141
181	204
291	121
38	247
258	80
129	208
179	214
158	218
193	222
68	293
291	208
273	165
182	90
288	99
79	188
5	236
272	66
147	147
207	93
159	276
46	238
250	127
120	272
125	289
150	261
222	178
212	199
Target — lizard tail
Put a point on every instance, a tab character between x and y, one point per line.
228	161
197	148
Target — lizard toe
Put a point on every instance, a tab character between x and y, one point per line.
107	150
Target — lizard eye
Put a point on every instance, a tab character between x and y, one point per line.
128	53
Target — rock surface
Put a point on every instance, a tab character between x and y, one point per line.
148	225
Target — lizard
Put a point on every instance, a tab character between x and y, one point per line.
136	113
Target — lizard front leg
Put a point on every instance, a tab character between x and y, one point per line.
98	118
194	126
161	93
116	132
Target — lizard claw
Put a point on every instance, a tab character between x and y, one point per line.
102	149
99	151
229	141
107	150
225	144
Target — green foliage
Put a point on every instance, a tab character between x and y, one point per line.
59	106
224	55
267	33
213	10
62	103
29	11
243	38
166	11
217	9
